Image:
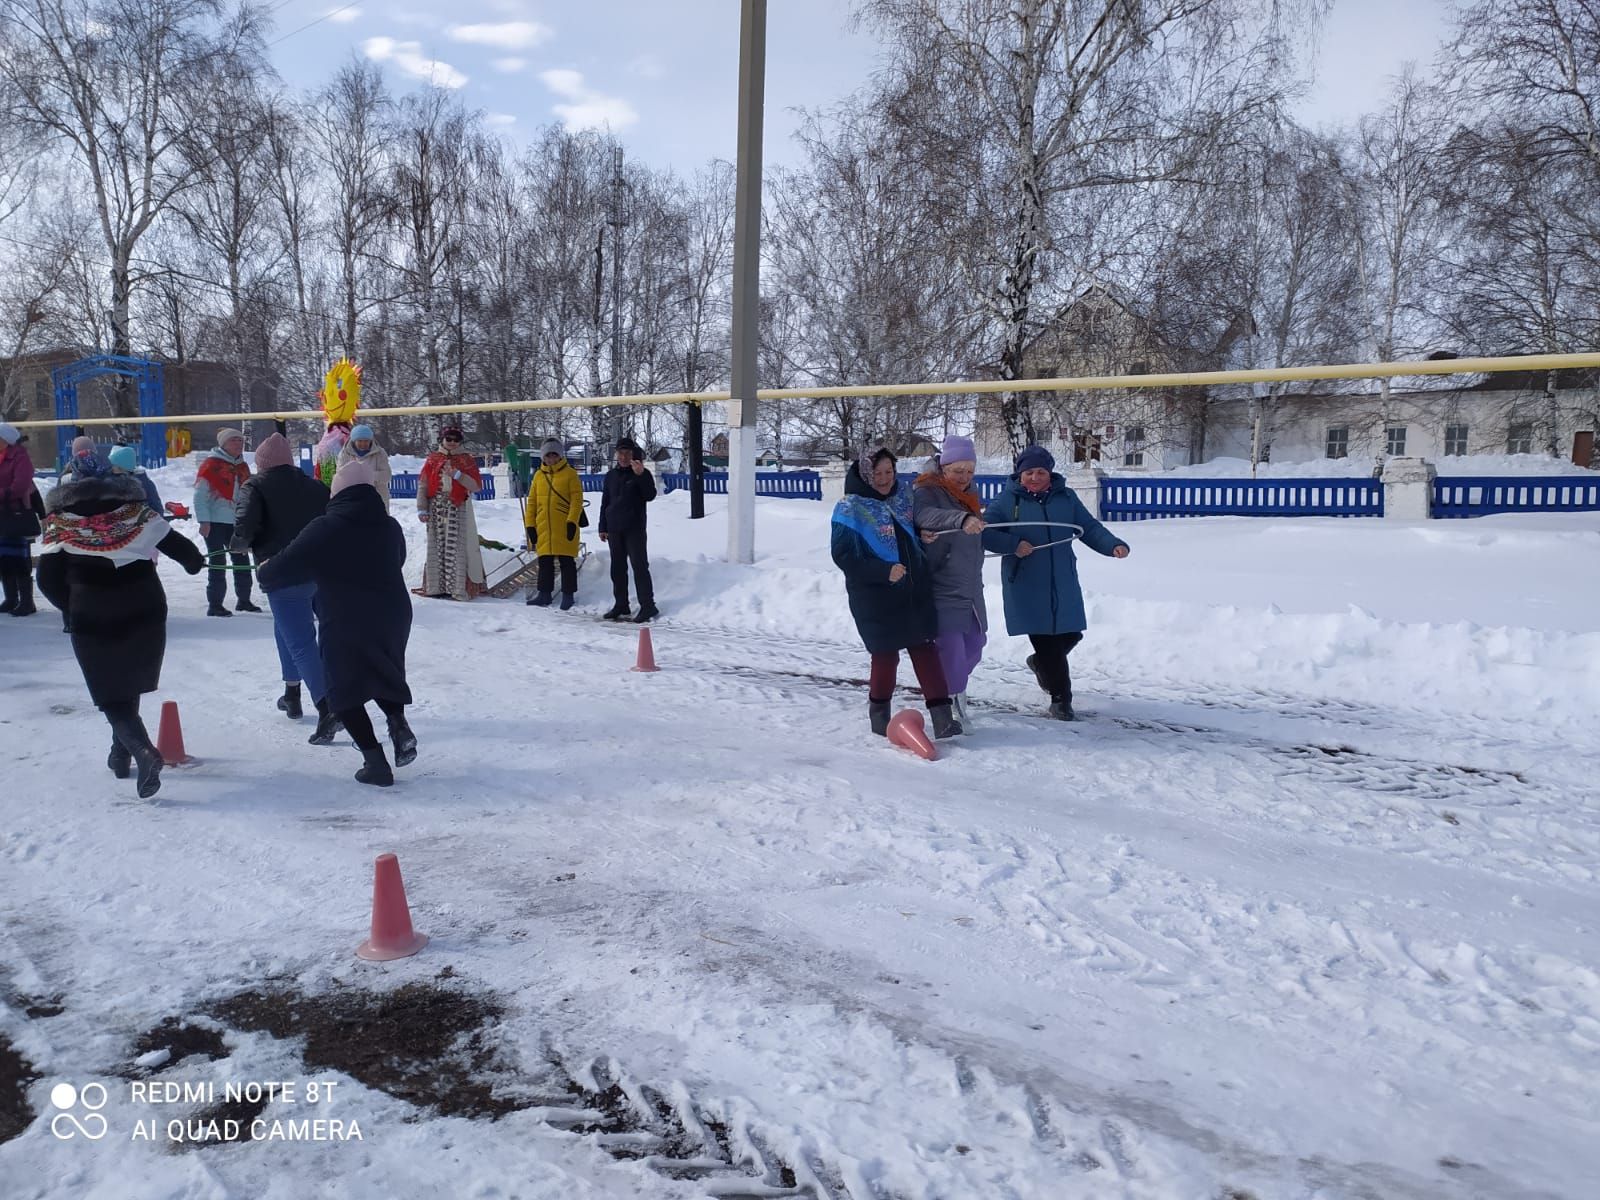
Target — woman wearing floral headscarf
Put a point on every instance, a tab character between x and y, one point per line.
450	478
890	587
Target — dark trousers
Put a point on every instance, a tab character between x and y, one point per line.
1050	652
630	549
359	726
569	574
924	661
217	580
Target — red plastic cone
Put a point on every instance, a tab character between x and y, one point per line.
169	739
392	935
647	652
907	731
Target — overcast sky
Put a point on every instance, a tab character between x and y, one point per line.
664	73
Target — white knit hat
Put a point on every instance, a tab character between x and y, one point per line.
9	434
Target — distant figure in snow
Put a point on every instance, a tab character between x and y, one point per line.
354	554
628	487
363	447
890	587
125	461
97	566
216	485
1043	599
20	514
279	501
947	507
551	517
85	461
449	480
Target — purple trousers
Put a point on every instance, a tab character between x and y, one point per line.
960	651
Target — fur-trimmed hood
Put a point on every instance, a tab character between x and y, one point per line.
91	496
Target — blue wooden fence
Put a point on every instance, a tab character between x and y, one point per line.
1480	496
786	485
404	487
1142	500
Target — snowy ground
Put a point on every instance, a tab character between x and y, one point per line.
1306	908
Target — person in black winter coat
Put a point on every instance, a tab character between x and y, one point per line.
278	502
628	488
97	566
355	553
890	587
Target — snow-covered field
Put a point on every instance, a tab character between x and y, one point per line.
1307	907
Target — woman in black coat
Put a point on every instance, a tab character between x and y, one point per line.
890	588
98	567
354	553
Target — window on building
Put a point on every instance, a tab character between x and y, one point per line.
1085	447
1339	442
1519	438
1394	442
1455	440
1133	446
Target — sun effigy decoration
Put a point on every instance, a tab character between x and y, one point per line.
340	397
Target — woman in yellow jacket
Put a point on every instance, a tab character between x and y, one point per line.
554	513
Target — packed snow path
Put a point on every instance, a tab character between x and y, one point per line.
1236	934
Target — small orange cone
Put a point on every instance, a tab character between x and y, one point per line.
392	935
169	738
647	651
907	731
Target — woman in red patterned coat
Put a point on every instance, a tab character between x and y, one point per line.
450	478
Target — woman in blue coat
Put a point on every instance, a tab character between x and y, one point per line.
1040	582
890	588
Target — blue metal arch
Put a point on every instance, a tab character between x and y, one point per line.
147	377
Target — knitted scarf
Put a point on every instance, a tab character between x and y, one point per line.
439	465
874	518
967	497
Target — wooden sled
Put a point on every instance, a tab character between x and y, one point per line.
520	572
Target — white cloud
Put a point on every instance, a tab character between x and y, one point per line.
510	65
507	35
342	16
500	120
588	109
408	57
647	66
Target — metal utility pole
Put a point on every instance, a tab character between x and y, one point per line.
746	284
616	222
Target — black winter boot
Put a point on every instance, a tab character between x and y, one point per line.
375	769
289	702
8	579
878	712
327	725
616	612
647	613
943	715
25	605
568	599
129	730
244	605
540	599
1061	708
404	741
120	760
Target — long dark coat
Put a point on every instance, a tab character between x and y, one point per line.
118	614
354	553
1042	593
888	616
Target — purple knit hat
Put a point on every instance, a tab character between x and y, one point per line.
354	472
957	449
275	451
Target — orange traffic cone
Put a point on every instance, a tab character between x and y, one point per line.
392	935
169	738
647	652
907	731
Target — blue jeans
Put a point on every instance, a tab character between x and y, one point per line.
294	627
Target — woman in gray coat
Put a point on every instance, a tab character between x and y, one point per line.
947	512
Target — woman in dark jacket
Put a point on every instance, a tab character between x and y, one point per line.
279	501
890	588
354	553
1042	596
19	523
97	566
